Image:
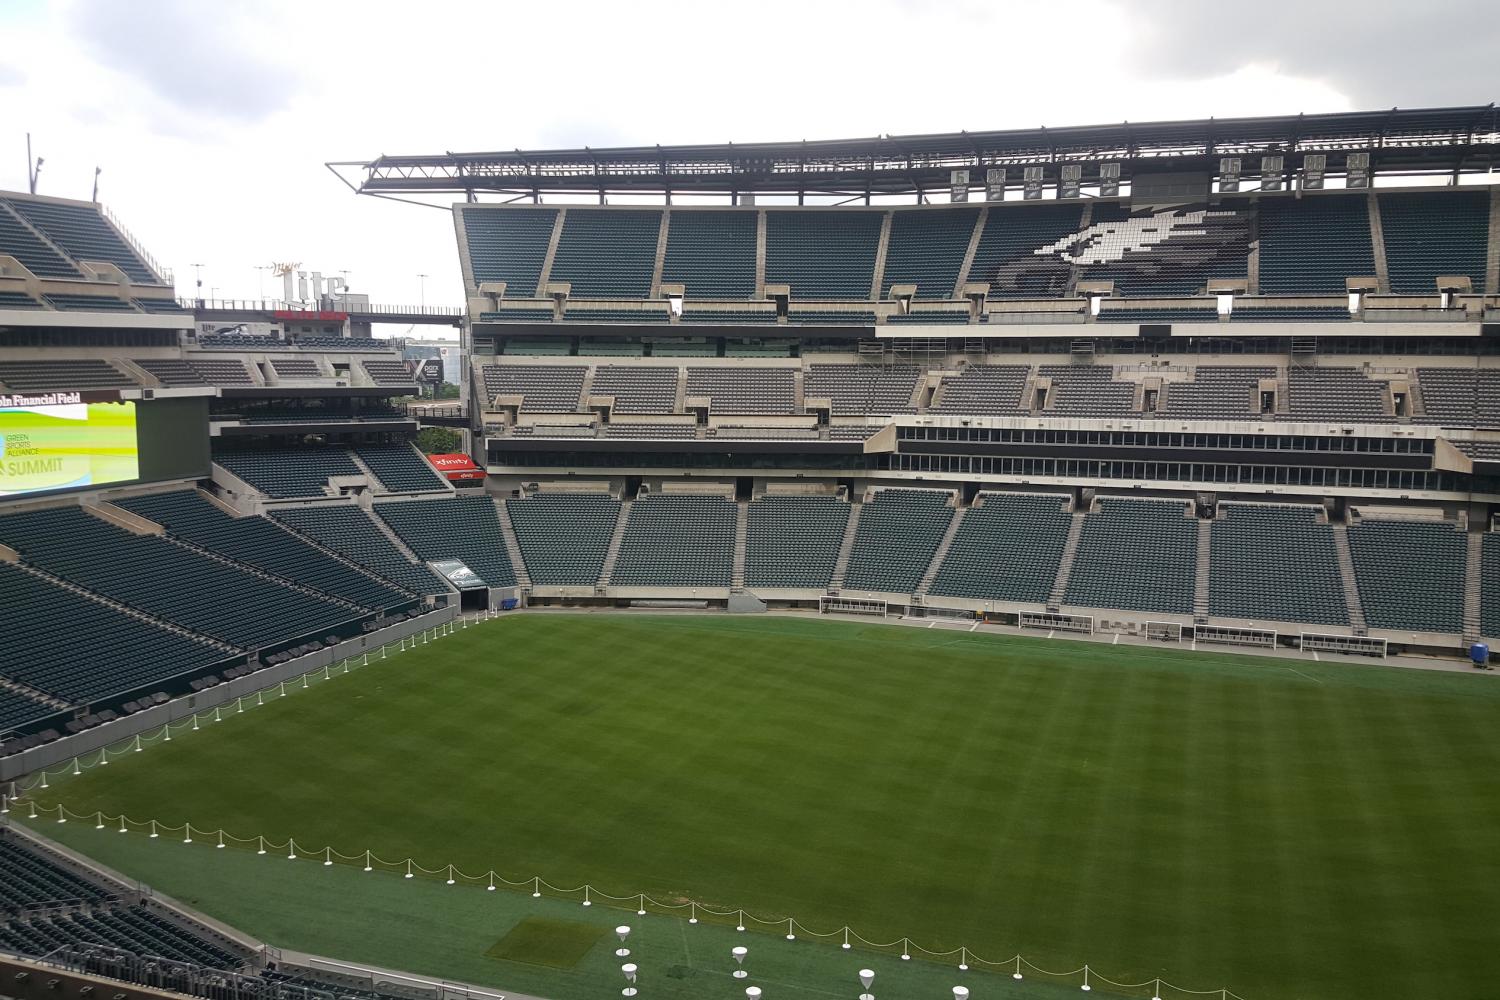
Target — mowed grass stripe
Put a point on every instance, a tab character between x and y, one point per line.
1213	819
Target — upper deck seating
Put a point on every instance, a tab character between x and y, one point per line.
387	372
1311	245
607	253
353	345
1430	234
927	249
87	303
34	254
1250	312
711	253
83	232
1149	253
1460	397
509	245
1007	549
1006	256
296	368
822	254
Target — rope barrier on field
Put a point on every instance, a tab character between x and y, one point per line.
17	794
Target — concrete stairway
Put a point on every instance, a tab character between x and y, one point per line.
942	552
1474	588
846	548
512	544
1200	579
1346	574
741	519
613	554
1065	564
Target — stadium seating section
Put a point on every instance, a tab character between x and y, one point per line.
564	537
793	541
1410	574
927	249
288	472
81	231
35	376
509	246
1136	555
351	533
823	255
1274	562
898	534
711	253
1007	549
1432	234
607	253
399	467
464	528
674	540
258	542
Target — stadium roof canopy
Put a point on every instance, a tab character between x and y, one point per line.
1403	141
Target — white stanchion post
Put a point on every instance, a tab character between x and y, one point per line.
586	900
327	856
61	816
367	862
408	867
791	934
122	824
629	969
4	804
694	911
866	977
291	849
845	945
1086	987
216	713
963	959
262	841
905	950
752	992
137	750
99	820
195	723
492	882
740	923
450	874
44	780
739	951
1156	993
622	932
1017	973
536	887
220	844
187	833
640	909
33	810
75	766
166	734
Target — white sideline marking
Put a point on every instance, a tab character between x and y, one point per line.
1314	652
973	627
1301	674
1051	632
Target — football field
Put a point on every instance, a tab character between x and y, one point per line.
1283	829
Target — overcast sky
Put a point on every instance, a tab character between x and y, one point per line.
212	121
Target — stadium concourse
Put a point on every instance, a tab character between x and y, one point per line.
1246	401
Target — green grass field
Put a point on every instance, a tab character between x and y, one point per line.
1325	831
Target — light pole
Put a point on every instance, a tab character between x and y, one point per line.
198	281
422	290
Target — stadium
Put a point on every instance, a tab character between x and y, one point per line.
993	564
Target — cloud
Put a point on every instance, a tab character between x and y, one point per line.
10	76
1381	53
211	60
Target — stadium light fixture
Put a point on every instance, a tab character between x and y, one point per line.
622	932
866	977
739	951
629	969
